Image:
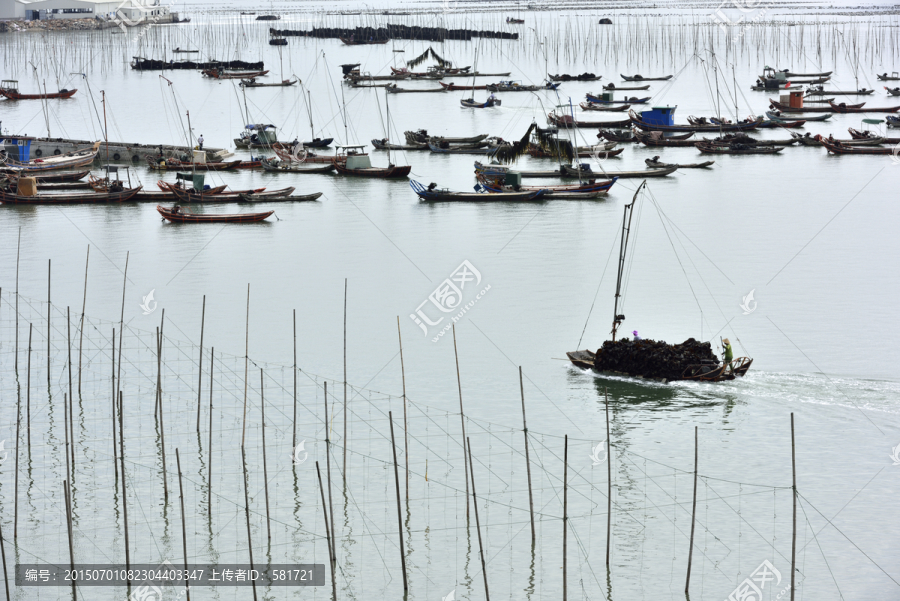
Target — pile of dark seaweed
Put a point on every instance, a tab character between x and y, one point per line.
652	358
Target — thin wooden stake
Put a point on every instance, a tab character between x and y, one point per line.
71	398
487	595
246	367
462	421
327	535
187	586
83	307
66	430
527	459
67	499
608	479
794	488
262	404
48	324
328	475
212	356
16	467
405	423
200	363
247	515
565	511
28	394
399	513
122	319
3	558
687	582
294	418
122	469
162	433
18	248
115	453
345	383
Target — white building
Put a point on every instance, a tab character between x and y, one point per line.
129	12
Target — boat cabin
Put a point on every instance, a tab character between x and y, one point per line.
770	73
259	133
353	156
195	180
659	115
18	148
793	99
10	84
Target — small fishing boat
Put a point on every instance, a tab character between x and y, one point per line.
222	74
810	140
437	149
584	171
54	178
867	135
816	100
662	119
582	77
354	162
191	195
514	21
615	136
278	166
453	87
771	124
642	78
384	144
9	88
633	100
433	194
177	214
611	87
267	194
893	91
656	138
821	91
778	117
164	187
159	164
69	198
352	41
786	108
837	147
842	108
188	51
289	154
589	190
265	198
76	158
252	83
736	148
568	121
742	138
788	73
393	89
475	74
895	76
515	86
655	163
471	103
278	42
318	143
422	137
590	106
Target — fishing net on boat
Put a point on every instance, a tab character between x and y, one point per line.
509	153
652	358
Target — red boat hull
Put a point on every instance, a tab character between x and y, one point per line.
13	95
179	217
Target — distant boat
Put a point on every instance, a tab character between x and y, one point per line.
178	215
268	18
10	89
351	41
642	78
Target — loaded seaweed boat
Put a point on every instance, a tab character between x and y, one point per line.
690	360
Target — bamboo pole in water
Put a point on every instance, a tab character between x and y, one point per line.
262	405
294	417
487	595
345	384
328	476
66	431
687	582
28	395
565	511
83	307
187	587
122	469
462	420
3	559
115	453
162	429
67	499
247	514
16	466
212	356
246	367
399	512
48	333
122	319
405	421
794	490
200	363
71	398
527	458
608	479
328	536
18	248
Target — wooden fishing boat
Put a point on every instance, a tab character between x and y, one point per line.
656	138
71	198
568	121
171	164
353	162
655	163
771	124
9	88
893	92
788	73
76	158
514	21
585	172
178	215
648	358
191	195
163	186
786	108
284	152
53	178
816	100
867	135
461	149
252	83
741	138
597	100
582	77
393	89
471	103
820	91
592	189
54	187
475	74
515	86
422	137
351	41
318	143
278	166
639	122
809	140
267	194
453	87
221	74
895	76
838	148
590	106
842	108
177	50
642	78
615	136
264	198
383	144
779	118
433	194
611	87
707	148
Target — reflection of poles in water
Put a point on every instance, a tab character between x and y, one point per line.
328	477
68	501
344	441
565	511
399	513
327	535
247	515
212	356
187	587
687	582
200	362
794	487
487	595
527	460
124	498
262	406
608	479
71	398
3	558
462	419
294	418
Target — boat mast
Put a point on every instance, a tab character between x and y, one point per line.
105	132
387	125
191	147
623	246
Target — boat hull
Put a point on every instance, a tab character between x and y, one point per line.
179	217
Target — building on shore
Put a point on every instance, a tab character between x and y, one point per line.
127	12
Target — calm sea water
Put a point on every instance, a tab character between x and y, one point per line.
810	235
